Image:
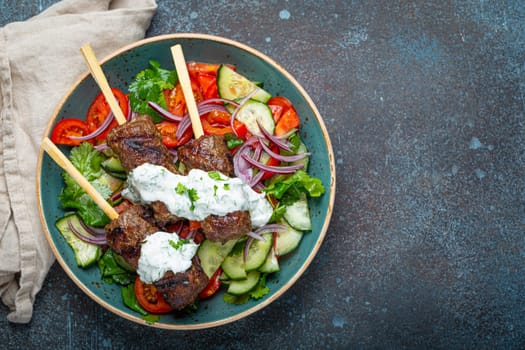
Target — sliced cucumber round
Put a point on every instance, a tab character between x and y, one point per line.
258	252
287	240
298	214
246	285
212	254
233	265
86	254
253	113
234	86
271	264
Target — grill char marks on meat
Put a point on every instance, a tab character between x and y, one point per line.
208	153
183	288
224	228
126	233
137	142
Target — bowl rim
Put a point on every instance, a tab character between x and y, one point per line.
311	254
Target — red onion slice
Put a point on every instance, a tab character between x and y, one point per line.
279	142
280	157
98	239
288	169
163	112
98	131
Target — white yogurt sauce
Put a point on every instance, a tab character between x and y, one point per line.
197	195
162	252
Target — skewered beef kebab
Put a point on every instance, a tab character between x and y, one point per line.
138	142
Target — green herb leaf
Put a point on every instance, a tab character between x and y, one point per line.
180	189
260	289
111	272
149	85
130	300
179	243
87	160
215	175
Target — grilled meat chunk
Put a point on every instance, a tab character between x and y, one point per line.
182	289
208	153
162	216
138	142
224	228
126	233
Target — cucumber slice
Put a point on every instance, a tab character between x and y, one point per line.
233	86
246	285
212	254
298	214
233	265
113	165
252	112
271	264
85	253
300	150
287	240
258	252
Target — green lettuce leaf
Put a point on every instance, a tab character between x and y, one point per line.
87	160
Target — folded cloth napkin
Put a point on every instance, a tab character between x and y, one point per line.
39	61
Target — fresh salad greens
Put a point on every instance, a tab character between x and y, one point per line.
88	161
149	85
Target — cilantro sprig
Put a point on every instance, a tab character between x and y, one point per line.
149	85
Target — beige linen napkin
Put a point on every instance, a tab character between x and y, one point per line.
39	60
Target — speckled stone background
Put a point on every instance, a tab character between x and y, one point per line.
424	102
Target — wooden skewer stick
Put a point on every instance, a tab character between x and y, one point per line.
100	78
66	164
184	78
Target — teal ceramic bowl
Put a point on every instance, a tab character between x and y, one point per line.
120	69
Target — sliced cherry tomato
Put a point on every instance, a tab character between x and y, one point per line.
218	123
175	101
99	110
175	98
194	225
289	120
150	298
279	105
198	236
195	68
206	81
68	127
213	285
168	132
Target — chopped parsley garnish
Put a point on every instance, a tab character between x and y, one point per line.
215	175
180	189
215	188
179	243
192	194
226	187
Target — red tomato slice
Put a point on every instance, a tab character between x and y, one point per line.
99	110
288	121
68	127
168	131
206	81
213	285
279	105
195	68
150	298
175	98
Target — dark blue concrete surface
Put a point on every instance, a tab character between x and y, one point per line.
424	102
